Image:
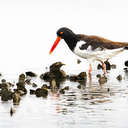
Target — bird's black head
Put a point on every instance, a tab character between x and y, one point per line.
65	33
68	35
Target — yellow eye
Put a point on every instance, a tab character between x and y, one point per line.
61	33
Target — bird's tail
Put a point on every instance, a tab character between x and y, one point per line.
126	47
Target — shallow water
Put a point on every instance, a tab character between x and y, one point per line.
28	30
86	107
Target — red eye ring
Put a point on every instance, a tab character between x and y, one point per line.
61	33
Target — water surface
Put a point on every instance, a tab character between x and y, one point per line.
89	107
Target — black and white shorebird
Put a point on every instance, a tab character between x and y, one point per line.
90	47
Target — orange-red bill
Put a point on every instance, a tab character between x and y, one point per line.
55	44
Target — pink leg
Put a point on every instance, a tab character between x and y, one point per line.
90	75
90	69
104	66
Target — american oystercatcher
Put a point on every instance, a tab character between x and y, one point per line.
90	47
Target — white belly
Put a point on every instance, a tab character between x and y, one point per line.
97	53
